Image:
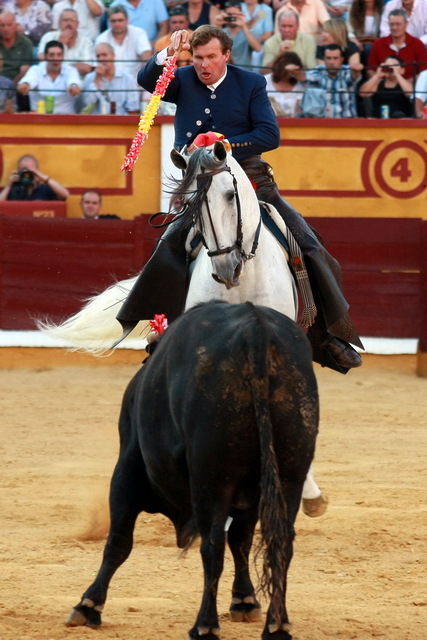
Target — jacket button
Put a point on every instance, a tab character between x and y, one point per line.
207	110
213	97
199	123
189	134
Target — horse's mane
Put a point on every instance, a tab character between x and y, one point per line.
199	161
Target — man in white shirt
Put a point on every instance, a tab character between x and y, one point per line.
131	45
109	89
52	78
88	11
416	11
77	48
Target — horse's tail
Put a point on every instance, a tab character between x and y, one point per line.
94	328
272	505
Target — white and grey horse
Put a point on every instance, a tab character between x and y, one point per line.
238	260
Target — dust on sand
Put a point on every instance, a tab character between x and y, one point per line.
360	571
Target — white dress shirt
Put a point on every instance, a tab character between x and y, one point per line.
128	53
42	85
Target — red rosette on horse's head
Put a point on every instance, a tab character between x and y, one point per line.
209	138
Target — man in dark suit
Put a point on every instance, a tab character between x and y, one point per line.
214	96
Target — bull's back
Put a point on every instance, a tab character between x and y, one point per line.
198	388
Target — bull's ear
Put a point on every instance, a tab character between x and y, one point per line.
219	151
179	161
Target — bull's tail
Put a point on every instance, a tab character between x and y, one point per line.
94	328
272	505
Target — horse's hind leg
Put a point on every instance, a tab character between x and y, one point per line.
244	605
128	495
314	503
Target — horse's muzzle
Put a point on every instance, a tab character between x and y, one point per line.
227	269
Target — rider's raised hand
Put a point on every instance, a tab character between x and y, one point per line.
180	41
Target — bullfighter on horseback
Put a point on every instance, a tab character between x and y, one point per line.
214	96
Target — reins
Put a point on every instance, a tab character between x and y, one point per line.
205	177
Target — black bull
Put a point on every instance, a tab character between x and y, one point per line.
221	421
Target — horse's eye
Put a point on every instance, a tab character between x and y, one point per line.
230	196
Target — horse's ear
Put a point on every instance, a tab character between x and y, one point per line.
219	151
179	161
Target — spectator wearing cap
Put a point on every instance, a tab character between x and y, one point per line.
178	19
236	25
289	38
411	50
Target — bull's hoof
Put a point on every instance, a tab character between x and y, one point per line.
82	616
315	507
247	610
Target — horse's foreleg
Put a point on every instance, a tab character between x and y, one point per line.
314	503
127	499
244	605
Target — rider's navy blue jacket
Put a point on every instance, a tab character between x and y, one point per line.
239	108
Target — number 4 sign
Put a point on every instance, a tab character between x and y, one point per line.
401	169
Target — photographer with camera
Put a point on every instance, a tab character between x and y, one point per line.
234	23
28	183
388	88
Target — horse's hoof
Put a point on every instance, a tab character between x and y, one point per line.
316	506
75	619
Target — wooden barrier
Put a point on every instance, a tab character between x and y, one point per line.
48	267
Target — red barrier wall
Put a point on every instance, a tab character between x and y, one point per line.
48	267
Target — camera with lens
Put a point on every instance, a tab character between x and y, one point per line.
26	177
230	19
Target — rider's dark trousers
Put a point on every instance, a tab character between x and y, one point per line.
323	270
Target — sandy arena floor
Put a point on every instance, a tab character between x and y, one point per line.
360	571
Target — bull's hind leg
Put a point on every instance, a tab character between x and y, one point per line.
244	605
280	629
128	497
212	550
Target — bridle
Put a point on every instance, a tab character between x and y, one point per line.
204	181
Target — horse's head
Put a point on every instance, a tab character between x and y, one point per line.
212	199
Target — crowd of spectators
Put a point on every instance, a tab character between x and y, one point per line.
343	58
